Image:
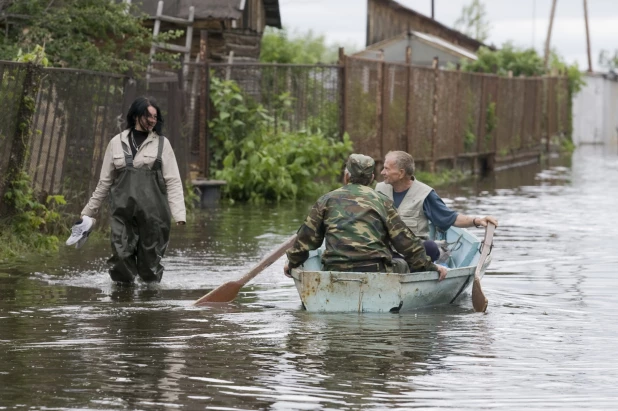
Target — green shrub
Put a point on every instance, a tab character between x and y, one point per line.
284	166
34	226
509	58
261	164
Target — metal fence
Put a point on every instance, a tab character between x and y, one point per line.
439	115
436	115
11	88
76	113
313	93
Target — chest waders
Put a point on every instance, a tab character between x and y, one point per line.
140	221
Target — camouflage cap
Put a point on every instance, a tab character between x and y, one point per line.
360	165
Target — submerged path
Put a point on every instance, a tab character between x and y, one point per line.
70	340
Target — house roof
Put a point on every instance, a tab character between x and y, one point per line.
212	9
429	39
403	9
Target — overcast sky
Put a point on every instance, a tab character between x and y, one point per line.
524	22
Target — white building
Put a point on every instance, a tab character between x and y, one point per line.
424	47
595	110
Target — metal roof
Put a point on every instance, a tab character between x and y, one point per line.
429	39
403	9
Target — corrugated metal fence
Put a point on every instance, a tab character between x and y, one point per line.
439	115
436	115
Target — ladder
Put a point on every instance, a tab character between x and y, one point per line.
186	50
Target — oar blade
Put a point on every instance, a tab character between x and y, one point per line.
225	293
479	301
228	291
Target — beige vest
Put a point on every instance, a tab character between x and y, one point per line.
411	208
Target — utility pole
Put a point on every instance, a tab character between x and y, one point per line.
533	23
587	36
432	10
551	23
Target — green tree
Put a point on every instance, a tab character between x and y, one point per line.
279	46
473	21
520	61
86	34
607	60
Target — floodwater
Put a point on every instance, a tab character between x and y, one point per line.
71	340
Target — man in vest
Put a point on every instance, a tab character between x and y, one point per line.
417	203
358	227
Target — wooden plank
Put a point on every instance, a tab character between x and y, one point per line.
172	47
175	20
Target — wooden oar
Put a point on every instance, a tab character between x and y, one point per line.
226	292
479	301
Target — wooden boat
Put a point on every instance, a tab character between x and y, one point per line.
330	291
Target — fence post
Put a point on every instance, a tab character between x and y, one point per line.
457	137
434	128
204	101
129	93
523	140
176	106
22	135
480	139
342	89
385	99
270	103
496	130
408	98
549	112
379	103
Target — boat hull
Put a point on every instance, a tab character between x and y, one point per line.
332	291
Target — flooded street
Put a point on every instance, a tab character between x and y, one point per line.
69	339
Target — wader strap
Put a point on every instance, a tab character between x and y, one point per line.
158	162
128	157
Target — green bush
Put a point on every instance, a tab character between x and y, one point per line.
107	36
34	225
509	58
491	123
261	164
284	166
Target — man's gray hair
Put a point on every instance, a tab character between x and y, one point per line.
403	161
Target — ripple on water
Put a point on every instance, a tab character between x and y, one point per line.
70	339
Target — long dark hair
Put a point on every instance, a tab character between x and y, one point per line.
139	108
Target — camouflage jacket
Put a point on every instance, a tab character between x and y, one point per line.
358	225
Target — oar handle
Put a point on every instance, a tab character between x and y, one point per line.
479	301
486	247
268	260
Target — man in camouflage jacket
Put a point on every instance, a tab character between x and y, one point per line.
358	225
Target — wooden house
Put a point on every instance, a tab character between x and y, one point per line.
232	25
387	19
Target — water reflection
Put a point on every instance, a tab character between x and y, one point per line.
71	339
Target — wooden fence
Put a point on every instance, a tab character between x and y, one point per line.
439	116
443	118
